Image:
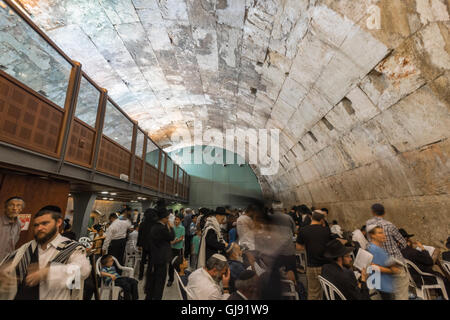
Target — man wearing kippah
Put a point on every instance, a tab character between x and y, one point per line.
10	226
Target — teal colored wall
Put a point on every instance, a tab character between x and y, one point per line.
214	185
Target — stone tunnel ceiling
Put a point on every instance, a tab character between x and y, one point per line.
363	112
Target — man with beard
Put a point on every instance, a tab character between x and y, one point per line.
340	273
10	226
204	283
236	264
50	267
212	241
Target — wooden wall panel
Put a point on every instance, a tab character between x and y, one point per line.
113	159
26	120
36	192
80	144
151	177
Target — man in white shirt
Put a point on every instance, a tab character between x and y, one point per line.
205	283
244	227
359	235
116	237
50	267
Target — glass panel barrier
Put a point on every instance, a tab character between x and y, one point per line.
27	57
88	100
139	143
117	126
152	156
169	170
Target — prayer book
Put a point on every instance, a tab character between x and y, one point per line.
363	259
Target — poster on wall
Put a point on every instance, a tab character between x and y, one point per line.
24	219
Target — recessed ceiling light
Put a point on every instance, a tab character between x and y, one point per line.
105	198
111	199
144	198
104	192
113	193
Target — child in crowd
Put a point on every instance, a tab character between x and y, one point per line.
195	247
109	272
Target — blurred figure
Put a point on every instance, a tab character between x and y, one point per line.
246	286
42	268
245	228
10	225
211	282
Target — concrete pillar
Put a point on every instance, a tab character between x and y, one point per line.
83	203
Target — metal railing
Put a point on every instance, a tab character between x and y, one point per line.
50	106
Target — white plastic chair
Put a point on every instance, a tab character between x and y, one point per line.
446	266
132	256
180	283
292	293
330	289
111	289
424	290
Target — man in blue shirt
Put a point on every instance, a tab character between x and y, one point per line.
382	262
177	248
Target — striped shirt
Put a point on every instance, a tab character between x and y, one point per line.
394	240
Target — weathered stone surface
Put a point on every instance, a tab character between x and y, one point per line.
363	112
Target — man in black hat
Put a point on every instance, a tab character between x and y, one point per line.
417	254
161	235
340	273
212	241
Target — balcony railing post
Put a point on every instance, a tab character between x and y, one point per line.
133	152
159	170
69	111
101	110
144	159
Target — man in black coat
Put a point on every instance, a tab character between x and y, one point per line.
417	254
161	235
143	241
340	272
214	242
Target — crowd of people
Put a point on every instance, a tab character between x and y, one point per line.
218	254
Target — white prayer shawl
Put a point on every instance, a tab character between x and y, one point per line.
211	223
20	265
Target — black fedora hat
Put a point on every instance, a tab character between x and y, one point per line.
162	213
335	249
222	211
405	234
